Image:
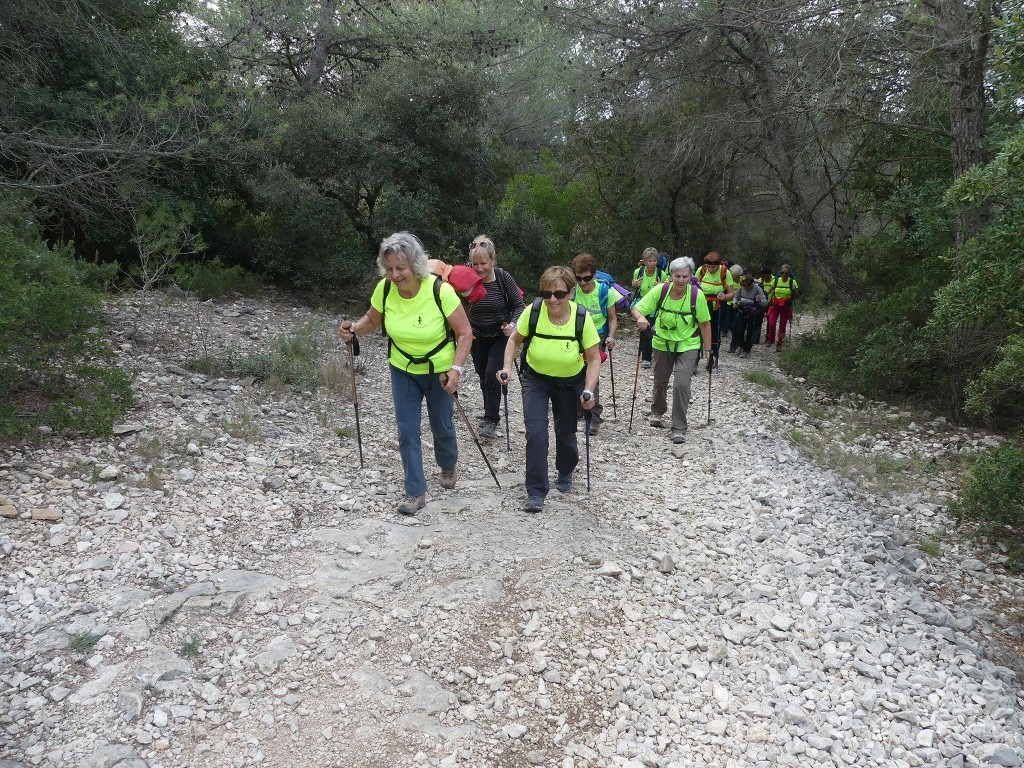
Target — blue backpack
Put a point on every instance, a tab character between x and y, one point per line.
604	283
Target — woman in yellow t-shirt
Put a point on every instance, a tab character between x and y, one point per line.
429	338
560	366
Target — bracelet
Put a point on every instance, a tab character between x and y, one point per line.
458	368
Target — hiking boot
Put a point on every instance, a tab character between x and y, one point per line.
448	477
564	484
655	421
487	429
645	364
411	504
678	438
745	354
534	504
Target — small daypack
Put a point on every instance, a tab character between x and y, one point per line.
449	337
605	282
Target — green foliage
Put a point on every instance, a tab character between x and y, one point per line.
83	641
993	499
295	359
51	344
999	389
190	649
211	279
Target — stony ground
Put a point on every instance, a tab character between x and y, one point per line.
220	584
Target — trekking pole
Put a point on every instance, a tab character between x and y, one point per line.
472	432
709	394
586	431
611	371
353	349
504	396
636	378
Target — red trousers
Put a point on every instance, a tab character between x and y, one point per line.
781	314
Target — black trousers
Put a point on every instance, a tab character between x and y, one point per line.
488	354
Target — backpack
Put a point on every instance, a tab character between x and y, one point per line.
501	274
581	316
701	270
604	282
693	302
449	337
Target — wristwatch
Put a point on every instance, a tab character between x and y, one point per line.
458	368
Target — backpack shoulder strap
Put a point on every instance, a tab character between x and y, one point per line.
581	317
531	329
603	288
661	299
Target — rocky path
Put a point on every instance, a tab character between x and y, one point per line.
221	585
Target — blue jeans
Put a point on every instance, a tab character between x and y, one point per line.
408	391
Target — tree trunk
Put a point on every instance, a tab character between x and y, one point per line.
317	63
963	34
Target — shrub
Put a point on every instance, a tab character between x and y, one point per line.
993	499
52	348
211	279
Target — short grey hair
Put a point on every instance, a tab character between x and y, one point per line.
409	247
682	261
650	252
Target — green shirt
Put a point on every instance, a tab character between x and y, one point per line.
674	329
416	325
559	357
647	282
712	282
783	289
592	303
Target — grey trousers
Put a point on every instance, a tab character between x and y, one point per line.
681	365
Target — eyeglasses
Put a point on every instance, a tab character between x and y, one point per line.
555	294
584	278
482	244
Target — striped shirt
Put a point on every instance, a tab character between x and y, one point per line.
502	304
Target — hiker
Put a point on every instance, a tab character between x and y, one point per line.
781	291
682	327
429	339
749	301
560	364
727	315
648	275
598	298
493	318
764	280
717	283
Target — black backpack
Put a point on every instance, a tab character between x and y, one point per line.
581	316
449	337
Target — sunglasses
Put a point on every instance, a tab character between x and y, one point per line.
481	244
555	294
584	278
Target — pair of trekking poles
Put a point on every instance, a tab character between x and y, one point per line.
636	380
354	352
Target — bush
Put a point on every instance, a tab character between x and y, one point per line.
211	279
52	347
993	499
296	359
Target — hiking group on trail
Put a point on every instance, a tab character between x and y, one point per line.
435	316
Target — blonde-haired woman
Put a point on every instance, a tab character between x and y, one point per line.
493	317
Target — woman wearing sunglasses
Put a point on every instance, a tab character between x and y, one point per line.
560	365
493	317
